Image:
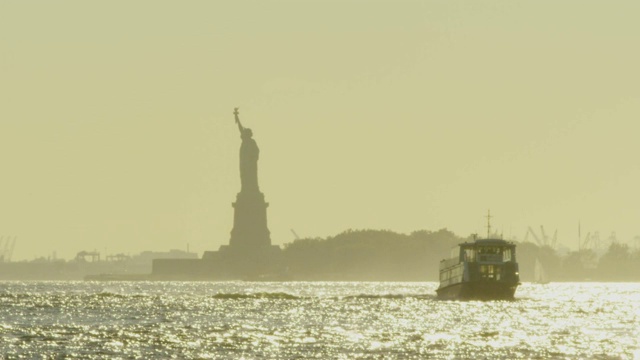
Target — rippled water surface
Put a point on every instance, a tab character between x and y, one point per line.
335	320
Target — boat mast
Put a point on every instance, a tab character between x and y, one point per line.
489	224
579	236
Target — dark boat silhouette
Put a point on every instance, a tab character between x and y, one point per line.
485	269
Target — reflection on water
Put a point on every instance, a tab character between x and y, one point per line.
324	320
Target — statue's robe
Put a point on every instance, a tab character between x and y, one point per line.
249	154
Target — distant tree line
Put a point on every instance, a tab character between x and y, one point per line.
369	255
383	255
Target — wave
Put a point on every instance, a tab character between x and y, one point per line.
110	294
260	295
391	296
287	296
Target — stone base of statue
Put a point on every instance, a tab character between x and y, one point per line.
249	254
250	230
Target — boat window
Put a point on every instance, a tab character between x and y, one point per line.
470	255
491	250
484	270
506	254
490	272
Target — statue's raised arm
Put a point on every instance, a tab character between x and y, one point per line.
249	154
237	113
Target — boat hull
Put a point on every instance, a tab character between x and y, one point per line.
478	290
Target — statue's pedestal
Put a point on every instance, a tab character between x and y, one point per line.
249	254
250	222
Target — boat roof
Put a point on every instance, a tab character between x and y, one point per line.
481	242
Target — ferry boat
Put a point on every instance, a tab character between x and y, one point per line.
485	269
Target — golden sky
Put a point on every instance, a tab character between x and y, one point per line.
117	130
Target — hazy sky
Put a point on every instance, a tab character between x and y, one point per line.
117	132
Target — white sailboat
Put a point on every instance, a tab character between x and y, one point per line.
539	275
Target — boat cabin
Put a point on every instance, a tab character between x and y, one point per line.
481	260
489	255
483	269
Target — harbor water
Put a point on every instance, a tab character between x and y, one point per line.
325	320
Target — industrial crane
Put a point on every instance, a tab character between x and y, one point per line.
543	239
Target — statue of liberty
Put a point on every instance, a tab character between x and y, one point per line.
249	154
